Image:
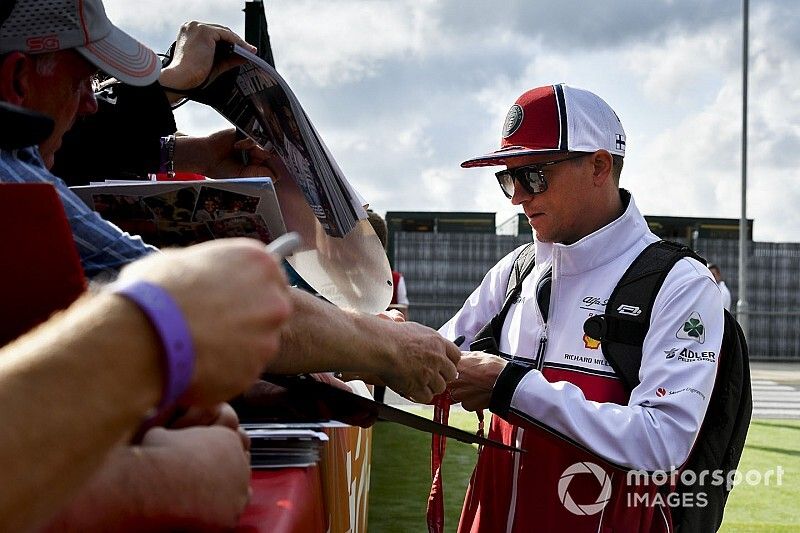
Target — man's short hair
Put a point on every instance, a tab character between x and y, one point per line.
379	225
616	166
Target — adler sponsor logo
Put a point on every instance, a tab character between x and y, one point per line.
690	356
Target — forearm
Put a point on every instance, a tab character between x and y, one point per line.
191	155
163	488
410	358
112	495
320	337
70	391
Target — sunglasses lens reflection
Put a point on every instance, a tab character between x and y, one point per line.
506	181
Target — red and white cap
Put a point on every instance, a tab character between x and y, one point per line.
36	26
555	119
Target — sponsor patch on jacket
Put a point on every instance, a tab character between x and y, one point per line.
590	343
661	392
690	356
693	329
589	360
594	303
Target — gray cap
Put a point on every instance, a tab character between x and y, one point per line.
36	26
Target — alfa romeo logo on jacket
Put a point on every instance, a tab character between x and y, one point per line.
586	509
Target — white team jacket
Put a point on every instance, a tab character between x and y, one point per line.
658	426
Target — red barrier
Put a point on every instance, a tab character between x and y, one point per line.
284	500
40	267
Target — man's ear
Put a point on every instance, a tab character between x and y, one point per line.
602	165
15	71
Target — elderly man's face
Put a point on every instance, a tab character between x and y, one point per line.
60	86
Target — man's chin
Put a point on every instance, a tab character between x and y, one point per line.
49	160
48	152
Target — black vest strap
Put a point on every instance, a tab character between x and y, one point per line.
624	325
488	338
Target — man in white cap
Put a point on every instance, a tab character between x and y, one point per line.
555	394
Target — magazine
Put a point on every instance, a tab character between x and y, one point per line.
182	213
256	99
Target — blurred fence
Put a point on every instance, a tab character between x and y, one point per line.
773	282
442	269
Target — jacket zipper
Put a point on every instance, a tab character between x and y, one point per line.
542	348
519	433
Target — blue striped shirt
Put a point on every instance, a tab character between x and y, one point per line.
102	246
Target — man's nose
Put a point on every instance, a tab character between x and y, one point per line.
88	104
520	194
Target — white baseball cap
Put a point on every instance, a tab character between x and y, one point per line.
38	26
556	119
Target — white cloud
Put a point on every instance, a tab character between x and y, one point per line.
692	165
673	70
345	41
402	91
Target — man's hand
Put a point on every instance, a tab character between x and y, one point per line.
219	415
477	374
222	155
422	364
392	314
235	299
193	59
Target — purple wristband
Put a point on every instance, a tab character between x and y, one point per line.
166	318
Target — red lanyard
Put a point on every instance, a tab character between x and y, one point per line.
441	414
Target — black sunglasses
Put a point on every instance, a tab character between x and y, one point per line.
530	176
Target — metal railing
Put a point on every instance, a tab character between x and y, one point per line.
441	270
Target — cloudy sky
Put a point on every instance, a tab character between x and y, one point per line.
402	91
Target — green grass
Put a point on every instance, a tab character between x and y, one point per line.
401	477
770	443
400	480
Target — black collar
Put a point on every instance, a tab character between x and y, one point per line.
22	127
